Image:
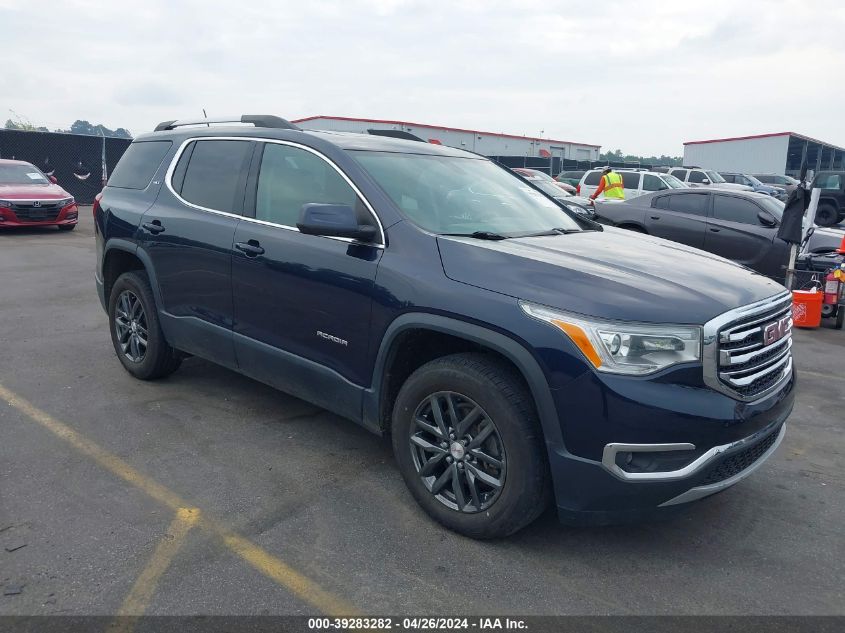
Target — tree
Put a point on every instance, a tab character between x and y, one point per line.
87	129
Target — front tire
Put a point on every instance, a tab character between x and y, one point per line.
469	445
827	214
135	331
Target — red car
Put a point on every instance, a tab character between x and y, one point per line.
29	198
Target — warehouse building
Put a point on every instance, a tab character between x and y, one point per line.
780	153
485	143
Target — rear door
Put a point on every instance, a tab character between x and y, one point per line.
735	232
302	302
188	237
680	217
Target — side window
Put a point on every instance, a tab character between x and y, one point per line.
768	179
138	165
696	176
691	203
291	177
735	209
630	179
660	202
215	173
593	179
729	177
653	183
680	174
830	181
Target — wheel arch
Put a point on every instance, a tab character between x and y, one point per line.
464	336
122	256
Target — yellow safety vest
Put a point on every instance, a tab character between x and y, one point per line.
613	186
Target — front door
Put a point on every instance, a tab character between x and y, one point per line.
303	302
188	236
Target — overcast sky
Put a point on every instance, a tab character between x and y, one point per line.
642	76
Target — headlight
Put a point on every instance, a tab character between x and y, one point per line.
576	209
66	202
624	348
5	203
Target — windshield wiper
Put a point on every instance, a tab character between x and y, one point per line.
555	231
480	235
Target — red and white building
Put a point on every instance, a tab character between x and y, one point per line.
485	143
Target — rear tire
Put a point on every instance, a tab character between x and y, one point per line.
135	331
491	479
827	214
66	227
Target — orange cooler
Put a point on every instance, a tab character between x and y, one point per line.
807	308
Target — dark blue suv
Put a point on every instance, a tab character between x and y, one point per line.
515	352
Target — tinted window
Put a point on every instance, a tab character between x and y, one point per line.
630	179
735	209
138	164
572	174
660	202
214	173
291	177
767	179
696	176
829	181
680	174
692	203
729	177
593	179
653	183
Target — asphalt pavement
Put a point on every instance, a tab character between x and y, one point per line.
209	493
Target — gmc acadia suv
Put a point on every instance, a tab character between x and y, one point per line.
515	352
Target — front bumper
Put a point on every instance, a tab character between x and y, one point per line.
715	440
65	216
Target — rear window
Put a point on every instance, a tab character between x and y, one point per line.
213	177
593	179
139	164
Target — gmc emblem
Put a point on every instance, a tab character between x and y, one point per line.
775	331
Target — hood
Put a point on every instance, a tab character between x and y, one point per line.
32	192
612	274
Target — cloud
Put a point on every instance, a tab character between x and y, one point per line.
642	76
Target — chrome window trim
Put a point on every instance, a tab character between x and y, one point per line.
175	160
710	345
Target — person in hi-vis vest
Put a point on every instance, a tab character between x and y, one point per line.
611	185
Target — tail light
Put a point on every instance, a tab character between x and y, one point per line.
578	189
96	206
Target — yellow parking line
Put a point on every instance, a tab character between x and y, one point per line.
270	566
142	591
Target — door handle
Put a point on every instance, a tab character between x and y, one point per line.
154	227
251	248
715	230
654	217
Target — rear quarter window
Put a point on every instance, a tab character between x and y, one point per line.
593	179
139	164
630	179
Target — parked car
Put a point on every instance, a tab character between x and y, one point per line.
740	226
787	183
514	352
29	198
831	208
576	204
636	182
697	177
571	177
536	174
755	184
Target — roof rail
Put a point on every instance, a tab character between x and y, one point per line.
396	134
258	120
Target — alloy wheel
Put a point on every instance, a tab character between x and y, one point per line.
130	325
458	452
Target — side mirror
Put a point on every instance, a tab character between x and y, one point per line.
706	181
333	220
53	180
766	219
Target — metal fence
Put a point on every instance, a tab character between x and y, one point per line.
553	166
80	163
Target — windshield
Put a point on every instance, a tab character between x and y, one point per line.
775	207
673	182
714	176
21	175
447	194
551	188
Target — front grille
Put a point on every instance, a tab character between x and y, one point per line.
738	462
28	212
755	352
